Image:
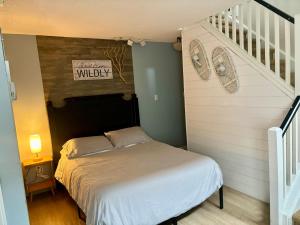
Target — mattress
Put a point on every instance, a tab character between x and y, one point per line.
144	184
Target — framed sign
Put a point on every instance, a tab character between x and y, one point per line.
92	69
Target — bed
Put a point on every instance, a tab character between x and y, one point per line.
144	184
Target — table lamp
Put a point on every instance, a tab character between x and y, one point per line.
35	146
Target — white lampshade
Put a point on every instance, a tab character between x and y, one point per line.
35	143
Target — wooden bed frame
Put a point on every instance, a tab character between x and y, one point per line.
94	115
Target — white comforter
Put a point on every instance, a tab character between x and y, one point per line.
142	185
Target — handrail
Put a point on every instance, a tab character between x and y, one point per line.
276	10
290	115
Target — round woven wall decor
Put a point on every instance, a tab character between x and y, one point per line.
225	69
199	59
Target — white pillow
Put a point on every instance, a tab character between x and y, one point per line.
86	145
127	136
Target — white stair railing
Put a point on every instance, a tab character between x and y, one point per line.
266	33
269	38
283	168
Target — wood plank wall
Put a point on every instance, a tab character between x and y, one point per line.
56	55
232	128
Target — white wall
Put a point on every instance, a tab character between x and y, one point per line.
11	179
29	109
232	128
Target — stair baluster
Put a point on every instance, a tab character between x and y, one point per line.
258	36
287	27
257	42
277	45
250	29
267	38
234	22
241	25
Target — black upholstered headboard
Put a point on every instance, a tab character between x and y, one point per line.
90	115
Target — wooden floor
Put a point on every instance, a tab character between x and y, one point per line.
239	209
296	218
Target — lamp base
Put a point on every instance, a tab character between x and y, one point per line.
37	158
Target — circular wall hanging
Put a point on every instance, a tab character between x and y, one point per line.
225	69
199	59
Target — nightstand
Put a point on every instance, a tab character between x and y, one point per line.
38	175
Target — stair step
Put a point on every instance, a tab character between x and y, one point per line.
296	218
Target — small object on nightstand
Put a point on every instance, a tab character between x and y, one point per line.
38	175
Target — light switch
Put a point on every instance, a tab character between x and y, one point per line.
156	98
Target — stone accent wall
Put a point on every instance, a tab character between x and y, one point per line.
56	55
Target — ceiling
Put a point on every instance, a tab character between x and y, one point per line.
153	20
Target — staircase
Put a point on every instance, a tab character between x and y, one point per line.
253	49
270	39
264	37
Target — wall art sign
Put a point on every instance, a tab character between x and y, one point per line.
92	69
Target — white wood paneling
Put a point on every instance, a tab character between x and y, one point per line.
224	154
232	128
237	131
244	142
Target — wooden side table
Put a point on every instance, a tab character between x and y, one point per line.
38	175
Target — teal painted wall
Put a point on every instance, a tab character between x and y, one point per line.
157	71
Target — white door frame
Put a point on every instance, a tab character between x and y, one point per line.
13	206
2	209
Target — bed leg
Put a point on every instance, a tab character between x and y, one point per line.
80	214
174	221
221	197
